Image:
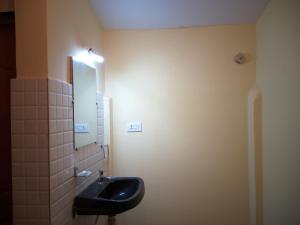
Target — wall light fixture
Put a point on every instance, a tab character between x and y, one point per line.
88	57
95	57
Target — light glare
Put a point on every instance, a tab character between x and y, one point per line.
88	57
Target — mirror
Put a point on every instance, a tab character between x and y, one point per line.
85	105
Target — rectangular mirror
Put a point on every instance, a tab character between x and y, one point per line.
85	105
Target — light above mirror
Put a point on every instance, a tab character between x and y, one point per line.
88	57
94	57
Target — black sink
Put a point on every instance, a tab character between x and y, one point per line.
112	196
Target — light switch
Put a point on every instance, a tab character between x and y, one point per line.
134	127
81	128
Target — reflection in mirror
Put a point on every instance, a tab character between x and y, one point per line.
85	107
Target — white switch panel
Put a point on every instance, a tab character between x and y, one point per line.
134	127
81	128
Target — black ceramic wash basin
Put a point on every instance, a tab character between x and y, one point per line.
112	196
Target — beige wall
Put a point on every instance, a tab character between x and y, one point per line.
49	31
278	75
72	27
31	38
191	97
6	5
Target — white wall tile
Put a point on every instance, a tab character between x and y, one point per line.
19	197
32	183
42	85
59	99
51	85
17	99
30	141
43	126
17	113
17	155
43	141
17	85
42	112
30	113
52	99
18	183
31	127
43	99
32	198
17	126
30	161
30	85
30	98
43	183
43	155
43	169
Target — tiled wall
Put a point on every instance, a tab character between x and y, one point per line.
63	185
44	185
30	164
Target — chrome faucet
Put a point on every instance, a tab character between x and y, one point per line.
101	177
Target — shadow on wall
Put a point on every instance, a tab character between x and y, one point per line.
258	158
255	157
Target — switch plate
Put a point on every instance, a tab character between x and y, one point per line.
81	128
134	127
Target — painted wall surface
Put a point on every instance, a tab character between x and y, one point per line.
31	38
278	75
6	5
191	97
49	31
72	28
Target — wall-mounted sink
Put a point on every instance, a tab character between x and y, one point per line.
112	196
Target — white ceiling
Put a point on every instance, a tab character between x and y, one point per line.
155	14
